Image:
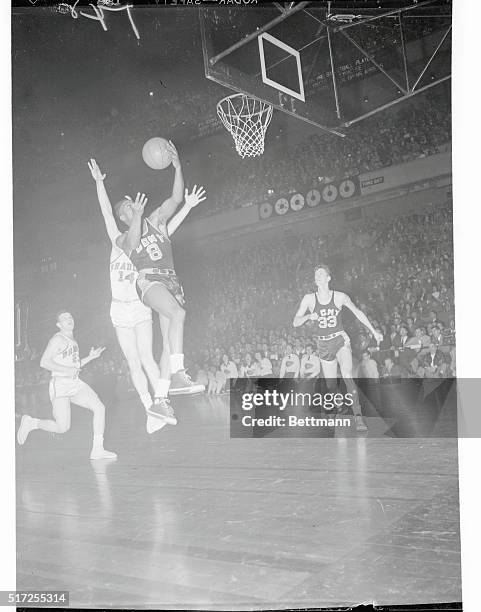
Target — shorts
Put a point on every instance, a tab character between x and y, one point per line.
328	349
64	387
145	281
129	314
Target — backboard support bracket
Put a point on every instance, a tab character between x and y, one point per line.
286	103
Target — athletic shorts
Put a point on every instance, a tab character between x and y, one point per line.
64	387
129	314
328	349
170	281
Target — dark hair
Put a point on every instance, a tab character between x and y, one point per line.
323	267
118	206
61	312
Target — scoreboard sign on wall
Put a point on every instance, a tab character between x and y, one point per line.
305	200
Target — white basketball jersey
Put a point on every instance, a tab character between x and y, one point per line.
123	276
68	356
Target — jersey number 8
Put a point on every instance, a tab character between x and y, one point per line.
154	252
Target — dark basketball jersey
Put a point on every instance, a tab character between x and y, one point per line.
154	250
330	318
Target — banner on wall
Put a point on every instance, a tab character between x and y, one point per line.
304	200
404	174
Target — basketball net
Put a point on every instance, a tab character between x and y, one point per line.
247	120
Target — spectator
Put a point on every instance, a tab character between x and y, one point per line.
393	370
264	365
310	363
368	367
290	364
433	364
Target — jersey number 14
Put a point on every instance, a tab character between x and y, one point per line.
127	277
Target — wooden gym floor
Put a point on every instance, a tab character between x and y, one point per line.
189	518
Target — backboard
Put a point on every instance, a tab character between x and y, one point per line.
324	62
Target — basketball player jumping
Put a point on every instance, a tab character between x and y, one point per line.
147	243
324	306
132	320
61	357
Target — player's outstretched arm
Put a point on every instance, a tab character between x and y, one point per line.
54	347
104	201
130	240
192	199
301	316
94	354
162	214
359	314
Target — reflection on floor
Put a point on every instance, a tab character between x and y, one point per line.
188	517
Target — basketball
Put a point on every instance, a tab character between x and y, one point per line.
156	154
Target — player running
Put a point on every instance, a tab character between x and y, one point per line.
147	243
131	319
62	358
334	347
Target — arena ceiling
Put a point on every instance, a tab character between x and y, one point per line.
80	91
353	58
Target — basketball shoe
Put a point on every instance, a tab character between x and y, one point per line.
182	384
161	409
27	424
360	423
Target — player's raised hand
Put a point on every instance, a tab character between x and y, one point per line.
175	155
96	352
378	337
139	204
95	170
196	196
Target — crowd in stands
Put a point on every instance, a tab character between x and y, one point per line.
412	132
398	271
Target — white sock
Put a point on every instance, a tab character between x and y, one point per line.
146	400
176	362
162	387
98	442
34	423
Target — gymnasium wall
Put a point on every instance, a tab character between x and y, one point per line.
393	190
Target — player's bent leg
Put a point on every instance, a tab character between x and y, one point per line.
87	398
344	357
159	298
60	424
128	343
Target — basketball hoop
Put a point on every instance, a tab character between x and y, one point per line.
247	120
